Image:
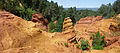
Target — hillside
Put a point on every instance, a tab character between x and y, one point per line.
20	36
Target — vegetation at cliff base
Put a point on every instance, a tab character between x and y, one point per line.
98	41
84	45
51	27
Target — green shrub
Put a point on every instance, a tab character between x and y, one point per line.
43	29
51	27
59	25
84	45
77	46
98	41
119	24
66	44
29	13
53	18
1	5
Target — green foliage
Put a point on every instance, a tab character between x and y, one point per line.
59	25
66	44
43	29
53	18
78	46
51	27
106	10
119	24
51	11
1	5
116	6
84	45
110	10
13	7
71	12
98	41
20	11
24	13
29	13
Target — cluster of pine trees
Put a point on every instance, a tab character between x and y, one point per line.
110	10
51	11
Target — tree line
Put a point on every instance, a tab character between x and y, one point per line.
51	11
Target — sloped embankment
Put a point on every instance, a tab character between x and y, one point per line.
20	36
85	27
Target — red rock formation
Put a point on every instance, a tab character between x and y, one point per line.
40	21
112	41
4	14
10	36
13	31
68	26
98	18
37	17
89	20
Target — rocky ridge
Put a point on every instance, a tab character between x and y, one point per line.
20	36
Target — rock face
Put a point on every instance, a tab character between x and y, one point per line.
8	30
14	31
89	20
113	28
67	25
118	16
4	14
40	21
85	27
98	18
112	41
37	17
20	36
68	30
88	25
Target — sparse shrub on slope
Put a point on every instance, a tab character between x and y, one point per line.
84	45
66	44
98	41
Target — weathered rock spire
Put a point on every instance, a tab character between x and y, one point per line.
67	25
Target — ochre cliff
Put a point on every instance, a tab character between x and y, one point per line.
20	36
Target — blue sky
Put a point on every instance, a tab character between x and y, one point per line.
82	3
